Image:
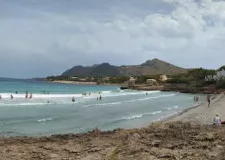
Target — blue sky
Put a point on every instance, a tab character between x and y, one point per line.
45	37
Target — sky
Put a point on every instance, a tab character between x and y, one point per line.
39	38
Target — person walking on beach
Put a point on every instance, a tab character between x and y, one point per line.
208	100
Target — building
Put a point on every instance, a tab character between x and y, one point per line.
151	82
131	82
220	75
163	78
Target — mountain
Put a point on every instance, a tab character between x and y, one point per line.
104	69
150	67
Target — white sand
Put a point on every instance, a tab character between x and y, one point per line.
204	114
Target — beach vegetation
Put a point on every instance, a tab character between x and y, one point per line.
117	79
220	84
221	68
58	78
143	78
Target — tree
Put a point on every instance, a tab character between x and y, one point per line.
221	68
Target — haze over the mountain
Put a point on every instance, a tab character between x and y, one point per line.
150	67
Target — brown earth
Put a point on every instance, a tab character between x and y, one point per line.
170	141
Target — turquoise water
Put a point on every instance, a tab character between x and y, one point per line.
51	110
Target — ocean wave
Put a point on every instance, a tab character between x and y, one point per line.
45	119
129	101
135	116
18	103
102	104
173	107
127	93
37	96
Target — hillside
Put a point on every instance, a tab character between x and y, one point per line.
150	67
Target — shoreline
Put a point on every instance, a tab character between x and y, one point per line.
176	137
169	118
201	114
85	83
73	82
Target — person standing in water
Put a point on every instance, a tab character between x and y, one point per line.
73	99
11	97
0	97
26	96
30	95
100	98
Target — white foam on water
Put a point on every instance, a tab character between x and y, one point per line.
102	104
171	108
127	93
135	116
45	119
129	101
35	103
156	112
35	96
132	117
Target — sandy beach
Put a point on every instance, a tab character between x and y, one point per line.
203	114
187	136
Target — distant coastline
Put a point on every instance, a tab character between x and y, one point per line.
73	82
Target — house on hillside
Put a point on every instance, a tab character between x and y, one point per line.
151	82
220	75
131	82
163	78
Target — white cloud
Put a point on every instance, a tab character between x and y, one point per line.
189	33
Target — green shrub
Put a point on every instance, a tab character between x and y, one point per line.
220	84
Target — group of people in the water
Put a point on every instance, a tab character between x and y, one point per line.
26	96
85	94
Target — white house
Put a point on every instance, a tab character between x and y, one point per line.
218	76
151	82
163	78
131	82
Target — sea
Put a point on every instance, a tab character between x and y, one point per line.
51	110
